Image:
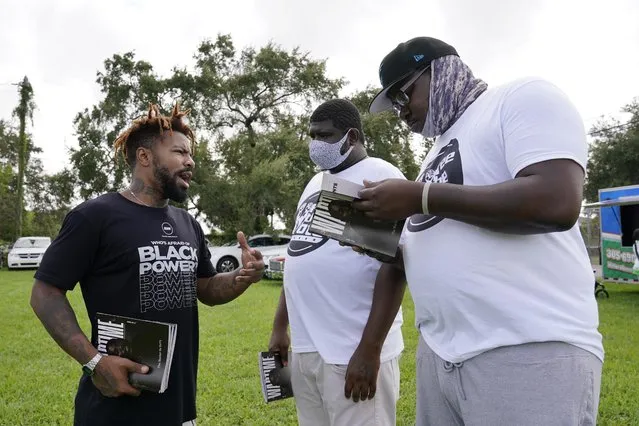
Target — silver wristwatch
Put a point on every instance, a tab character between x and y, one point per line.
89	367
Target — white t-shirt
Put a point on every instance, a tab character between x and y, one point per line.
476	289
328	287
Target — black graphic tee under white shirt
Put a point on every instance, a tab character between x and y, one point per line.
140	262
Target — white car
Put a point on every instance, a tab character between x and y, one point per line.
227	258
27	252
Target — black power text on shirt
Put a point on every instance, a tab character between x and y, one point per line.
168	275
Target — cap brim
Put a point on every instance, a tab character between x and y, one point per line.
381	102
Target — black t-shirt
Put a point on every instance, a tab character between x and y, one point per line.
131	260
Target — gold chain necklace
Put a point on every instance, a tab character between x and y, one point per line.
134	196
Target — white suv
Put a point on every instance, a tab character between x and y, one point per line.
227	258
27	252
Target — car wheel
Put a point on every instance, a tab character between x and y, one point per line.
227	264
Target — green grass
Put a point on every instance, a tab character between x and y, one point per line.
38	380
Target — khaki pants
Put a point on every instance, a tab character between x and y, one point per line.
319	394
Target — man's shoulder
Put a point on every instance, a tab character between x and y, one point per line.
314	183
515	83
316	178
528	84
98	205
379	162
381	167
536	97
521	93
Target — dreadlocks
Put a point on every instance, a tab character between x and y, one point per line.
146	130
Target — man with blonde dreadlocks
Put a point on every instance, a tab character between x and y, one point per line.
135	255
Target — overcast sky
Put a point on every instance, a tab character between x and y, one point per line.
589	48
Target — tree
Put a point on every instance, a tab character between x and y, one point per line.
128	86
251	194
46	197
49	199
258	88
245	104
23	111
614	153
8	200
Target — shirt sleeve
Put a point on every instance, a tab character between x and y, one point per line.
71	254
402	237
392	172
540	123
205	268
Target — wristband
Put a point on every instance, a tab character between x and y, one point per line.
425	197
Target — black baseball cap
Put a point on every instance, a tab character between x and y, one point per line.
405	59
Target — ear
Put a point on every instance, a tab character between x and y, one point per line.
143	156
353	136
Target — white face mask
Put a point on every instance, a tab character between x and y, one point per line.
328	155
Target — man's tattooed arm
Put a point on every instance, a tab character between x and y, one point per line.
51	306
54	311
221	288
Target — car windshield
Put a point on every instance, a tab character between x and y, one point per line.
32	243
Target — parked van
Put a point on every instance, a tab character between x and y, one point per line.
27	252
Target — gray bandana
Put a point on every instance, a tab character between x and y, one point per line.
452	89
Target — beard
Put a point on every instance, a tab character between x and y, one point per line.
168	184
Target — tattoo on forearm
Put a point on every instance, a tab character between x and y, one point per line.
223	288
60	321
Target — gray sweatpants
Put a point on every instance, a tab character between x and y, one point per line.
531	384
